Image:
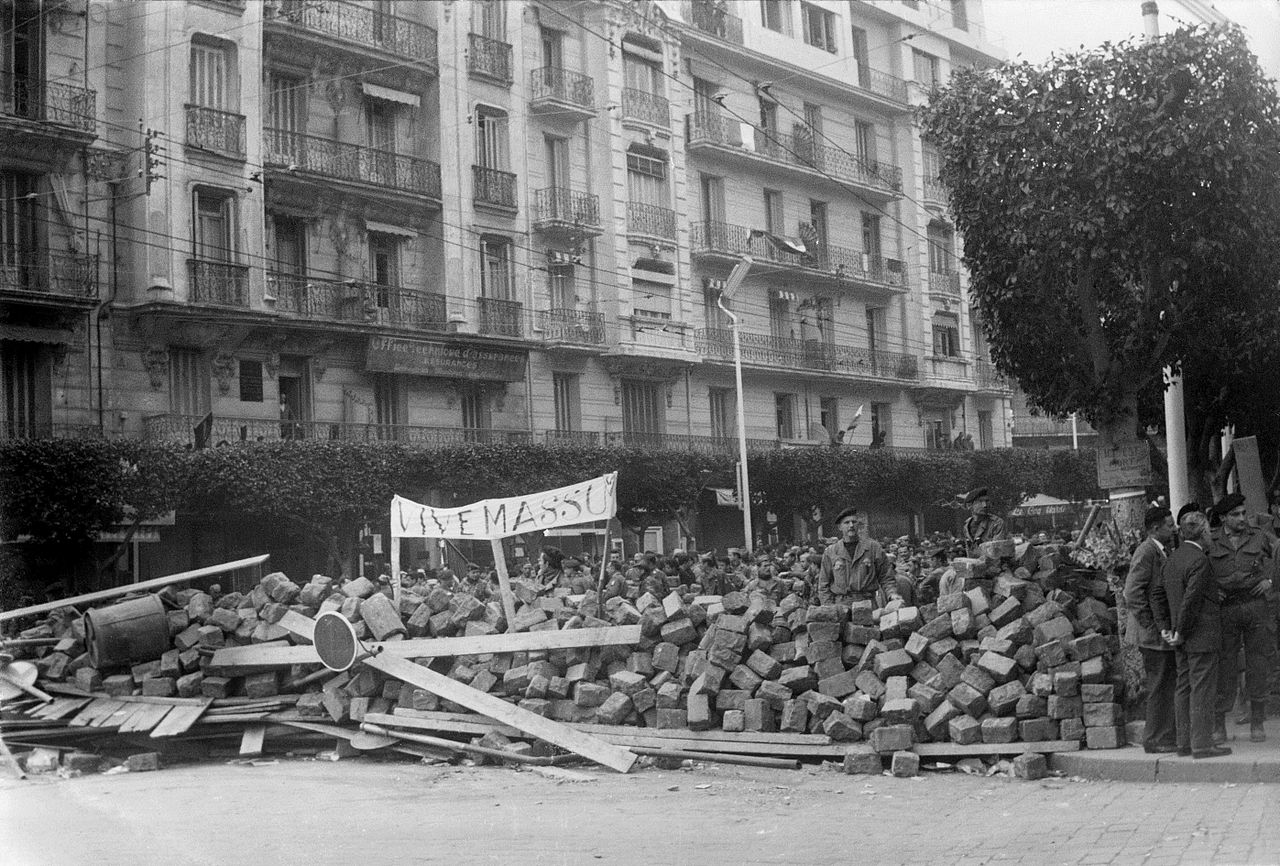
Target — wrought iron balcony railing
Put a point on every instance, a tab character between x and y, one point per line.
726	445
935	190
571	437
800	148
230	430
30	98
944	283
350	162
220	132
731	240
500	317
714	19
561	85
218	283
767	350
645	106
363	26
489	58
65	274
38	428
987	376
651	220
356	301
571	326
883	84
494	187
557	204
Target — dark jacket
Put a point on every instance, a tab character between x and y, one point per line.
842	576
1144	571
1186	600
980	529
1239	569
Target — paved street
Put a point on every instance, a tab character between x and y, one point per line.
297	811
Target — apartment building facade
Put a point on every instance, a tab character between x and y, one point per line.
484	221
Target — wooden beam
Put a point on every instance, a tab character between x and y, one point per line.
936	750
504	583
154	583
240	659
481	702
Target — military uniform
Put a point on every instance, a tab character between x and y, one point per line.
853	575
1239	564
980	529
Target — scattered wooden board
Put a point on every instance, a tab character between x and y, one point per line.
730	747
414	749
60	708
243	659
94	710
117	716
147	717
179	720
251	741
532	724
952	750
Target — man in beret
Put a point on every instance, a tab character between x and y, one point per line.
1240	556
854	568
1158	658
981	527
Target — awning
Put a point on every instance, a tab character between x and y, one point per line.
377	91
1041	505
390	229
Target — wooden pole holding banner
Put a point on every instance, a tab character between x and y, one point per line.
604	563
504	583
395	569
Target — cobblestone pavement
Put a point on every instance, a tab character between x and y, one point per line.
362	811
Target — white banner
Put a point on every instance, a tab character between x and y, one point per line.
584	502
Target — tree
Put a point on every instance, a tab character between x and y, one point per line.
1120	209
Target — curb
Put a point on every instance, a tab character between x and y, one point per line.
1134	765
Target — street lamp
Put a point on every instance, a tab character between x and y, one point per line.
736	276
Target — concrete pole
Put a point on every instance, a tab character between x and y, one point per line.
1229	436
1075	433
1150	19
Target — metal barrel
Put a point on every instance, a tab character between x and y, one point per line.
129	631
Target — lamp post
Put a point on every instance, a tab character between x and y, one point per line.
736	276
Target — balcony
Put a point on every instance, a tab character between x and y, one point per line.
32	428
348	25
585	438
48	276
501	318
494	188
798	151
723	445
570	95
764	350
220	283
220	132
935	192
351	163
645	107
651	221
718	240
357	302
571	327
489	58
45	102
561	211
946	283
231	430
883	84
713	19
989	378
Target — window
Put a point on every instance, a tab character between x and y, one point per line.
384	264
985	437
26	384
552	48
784	410
941	249
641	407
213	239
495	268
18	228
211	80
829	415
864	142
861	56
871	237
818	220
188	383
565	386
286	103
925	68
712	189
959	15
491	139
704	106
813	120
946	336
875	327
652	300
821	327
380	125
642	74
819	27
774	218
290	238
776	15
768	115
388	409
561	287
935	434
723	425
476	412
647	179
250	381
881	415
932	162
556	150
780	318
488	19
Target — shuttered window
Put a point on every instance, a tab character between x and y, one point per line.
209	77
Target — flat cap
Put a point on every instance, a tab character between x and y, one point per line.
851	510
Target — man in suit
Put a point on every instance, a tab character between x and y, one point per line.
1158	658
1185	606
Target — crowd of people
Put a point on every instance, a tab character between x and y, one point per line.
1200	590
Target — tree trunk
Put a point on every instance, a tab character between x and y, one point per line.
1128	504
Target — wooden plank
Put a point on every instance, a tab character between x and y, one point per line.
128	699
60	708
726	746
148	716
95	710
484	703
119	716
952	750
239	659
481	725
179	720
504	583
251	741
414	749
142	586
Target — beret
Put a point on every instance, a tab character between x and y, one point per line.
1187	509
1228	503
1155	514
974	495
851	510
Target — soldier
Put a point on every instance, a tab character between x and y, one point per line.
1240	556
1158	658
855	568
1184	604
981	527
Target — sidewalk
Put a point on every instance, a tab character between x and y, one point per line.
1248	762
